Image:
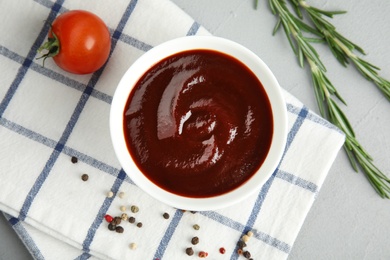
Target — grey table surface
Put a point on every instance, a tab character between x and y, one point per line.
348	219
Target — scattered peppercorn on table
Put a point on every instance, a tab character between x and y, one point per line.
64	194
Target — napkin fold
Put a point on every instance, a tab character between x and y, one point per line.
48	116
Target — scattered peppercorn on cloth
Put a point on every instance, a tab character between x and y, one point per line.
48	116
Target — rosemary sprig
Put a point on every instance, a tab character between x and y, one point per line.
342	48
294	29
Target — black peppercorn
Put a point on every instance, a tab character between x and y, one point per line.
117	220
132	219
111	226
241	244
189	251
195	240
84	177
119	229
139	224
246	254
166	215
74	159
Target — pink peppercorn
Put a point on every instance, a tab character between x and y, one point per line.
108	218
203	254
222	250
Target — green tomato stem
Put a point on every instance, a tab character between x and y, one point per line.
52	46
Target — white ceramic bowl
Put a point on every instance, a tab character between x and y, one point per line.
169	48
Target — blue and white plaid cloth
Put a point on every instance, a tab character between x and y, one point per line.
47	116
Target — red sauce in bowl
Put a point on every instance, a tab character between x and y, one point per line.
198	124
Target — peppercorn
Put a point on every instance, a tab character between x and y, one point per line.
166	215
189	251
121	195
196	227
108	218
139	224
245	238
241	244
132	219
117	220
111	226
119	229
110	194
246	254
133	246
239	251
122	208
222	250
84	177
195	240
124	216
249	233
134	209
74	159
203	254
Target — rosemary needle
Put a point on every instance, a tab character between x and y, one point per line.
295	28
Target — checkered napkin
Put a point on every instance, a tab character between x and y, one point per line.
48	116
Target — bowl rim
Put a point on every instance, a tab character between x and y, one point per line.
177	45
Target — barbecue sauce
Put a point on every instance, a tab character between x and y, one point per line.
198	123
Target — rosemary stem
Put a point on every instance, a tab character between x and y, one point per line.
304	4
346	50
315	70
323	88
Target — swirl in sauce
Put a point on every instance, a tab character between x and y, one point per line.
198	124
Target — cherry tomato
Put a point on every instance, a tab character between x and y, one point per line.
79	42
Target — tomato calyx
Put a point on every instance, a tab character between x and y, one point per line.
52	46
